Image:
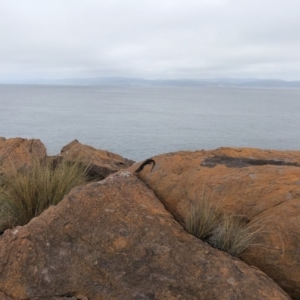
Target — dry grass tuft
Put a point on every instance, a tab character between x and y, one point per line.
202	220
230	233
234	235
26	194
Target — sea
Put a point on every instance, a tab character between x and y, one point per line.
139	122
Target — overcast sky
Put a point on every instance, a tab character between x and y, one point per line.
150	38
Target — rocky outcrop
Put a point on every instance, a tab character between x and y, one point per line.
20	152
114	240
101	163
263	186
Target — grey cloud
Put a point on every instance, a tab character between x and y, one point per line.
151	39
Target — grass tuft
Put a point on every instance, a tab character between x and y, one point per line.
234	235
202	220
27	193
230	233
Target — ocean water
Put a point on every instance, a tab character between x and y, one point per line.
139	122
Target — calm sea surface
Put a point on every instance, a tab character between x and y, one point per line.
139	122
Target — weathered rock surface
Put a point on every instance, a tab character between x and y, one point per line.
262	185
4	297
20	152
114	240
78	297
102	163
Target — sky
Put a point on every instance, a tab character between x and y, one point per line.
151	39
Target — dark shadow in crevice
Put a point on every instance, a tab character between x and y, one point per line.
241	162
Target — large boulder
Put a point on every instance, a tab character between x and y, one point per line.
20	152
263	186
101	163
114	240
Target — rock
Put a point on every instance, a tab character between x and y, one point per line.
102	163
263	186
20	152
4	297
114	240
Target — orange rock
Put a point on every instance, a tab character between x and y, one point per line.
262	185
102	163
20	152
114	240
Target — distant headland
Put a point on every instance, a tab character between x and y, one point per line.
124	81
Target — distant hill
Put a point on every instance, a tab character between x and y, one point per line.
217	82
270	83
123	81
